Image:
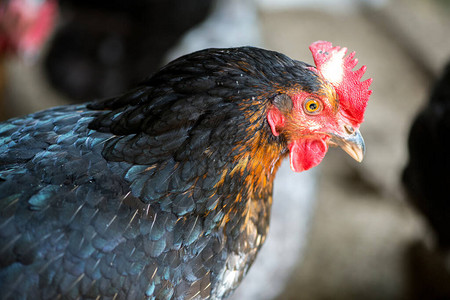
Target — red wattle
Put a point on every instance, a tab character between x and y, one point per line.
305	154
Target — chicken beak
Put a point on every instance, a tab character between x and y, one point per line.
352	142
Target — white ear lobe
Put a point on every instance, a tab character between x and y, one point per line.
275	119
333	69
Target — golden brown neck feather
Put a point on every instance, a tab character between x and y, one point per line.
259	157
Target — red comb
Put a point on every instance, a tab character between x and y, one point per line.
338	70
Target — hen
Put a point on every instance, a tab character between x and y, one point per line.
25	25
426	176
426	180
165	192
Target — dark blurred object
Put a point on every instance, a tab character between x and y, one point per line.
427	181
429	277
427	175
106	47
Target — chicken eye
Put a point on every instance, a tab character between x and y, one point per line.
312	106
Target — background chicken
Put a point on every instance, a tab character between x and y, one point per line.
426	180
24	27
165	191
426	175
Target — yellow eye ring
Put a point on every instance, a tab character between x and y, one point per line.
312	106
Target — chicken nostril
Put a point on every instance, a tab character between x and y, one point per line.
349	129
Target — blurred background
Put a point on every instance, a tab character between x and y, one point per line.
341	231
